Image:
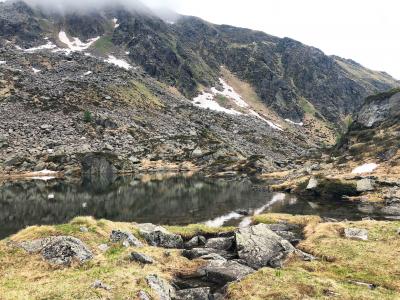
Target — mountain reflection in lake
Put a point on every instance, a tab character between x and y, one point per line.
176	200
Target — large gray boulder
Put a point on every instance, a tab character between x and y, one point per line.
158	236
201	252
59	250
221	243
161	287
260	247
222	272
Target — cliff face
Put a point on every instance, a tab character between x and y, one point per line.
375	132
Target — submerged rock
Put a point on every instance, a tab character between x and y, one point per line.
356	234
161	287
259	246
59	250
159	236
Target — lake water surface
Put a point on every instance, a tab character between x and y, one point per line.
169	201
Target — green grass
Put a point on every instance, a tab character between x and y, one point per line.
307	107
104	45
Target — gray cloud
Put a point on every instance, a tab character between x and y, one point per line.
79	5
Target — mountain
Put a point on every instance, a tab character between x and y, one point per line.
174	91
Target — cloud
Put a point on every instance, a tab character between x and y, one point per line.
85	5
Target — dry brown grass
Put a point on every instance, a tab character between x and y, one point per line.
24	276
342	262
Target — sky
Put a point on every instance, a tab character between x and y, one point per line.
366	31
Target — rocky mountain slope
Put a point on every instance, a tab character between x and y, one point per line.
375	132
145	92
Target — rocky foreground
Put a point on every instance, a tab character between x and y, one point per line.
282	257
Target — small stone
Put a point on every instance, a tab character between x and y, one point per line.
365	185
83	228
143	296
356	234
160	287
312	183
100	285
103	247
142	258
127	238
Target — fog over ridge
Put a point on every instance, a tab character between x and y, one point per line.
65	6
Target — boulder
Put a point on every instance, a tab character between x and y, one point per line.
222	272
59	250
141	258
365	185
126	238
161	287
259	246
196	241
201	252
356	234
158	236
202	293
221	243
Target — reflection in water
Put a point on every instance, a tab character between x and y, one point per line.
175	200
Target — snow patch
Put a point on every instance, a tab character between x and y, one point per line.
115	21
2	62
87	73
47	46
229	92
76	44
294	123
365	168
50	196
118	62
271	124
206	101
127	53
36	70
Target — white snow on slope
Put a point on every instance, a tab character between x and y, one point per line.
115	21
365	168
87	73
230	93
2	62
35	70
294	123
273	125
206	101
47	46
76	44
118	62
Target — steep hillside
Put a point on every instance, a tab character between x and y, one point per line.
375	132
288	76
